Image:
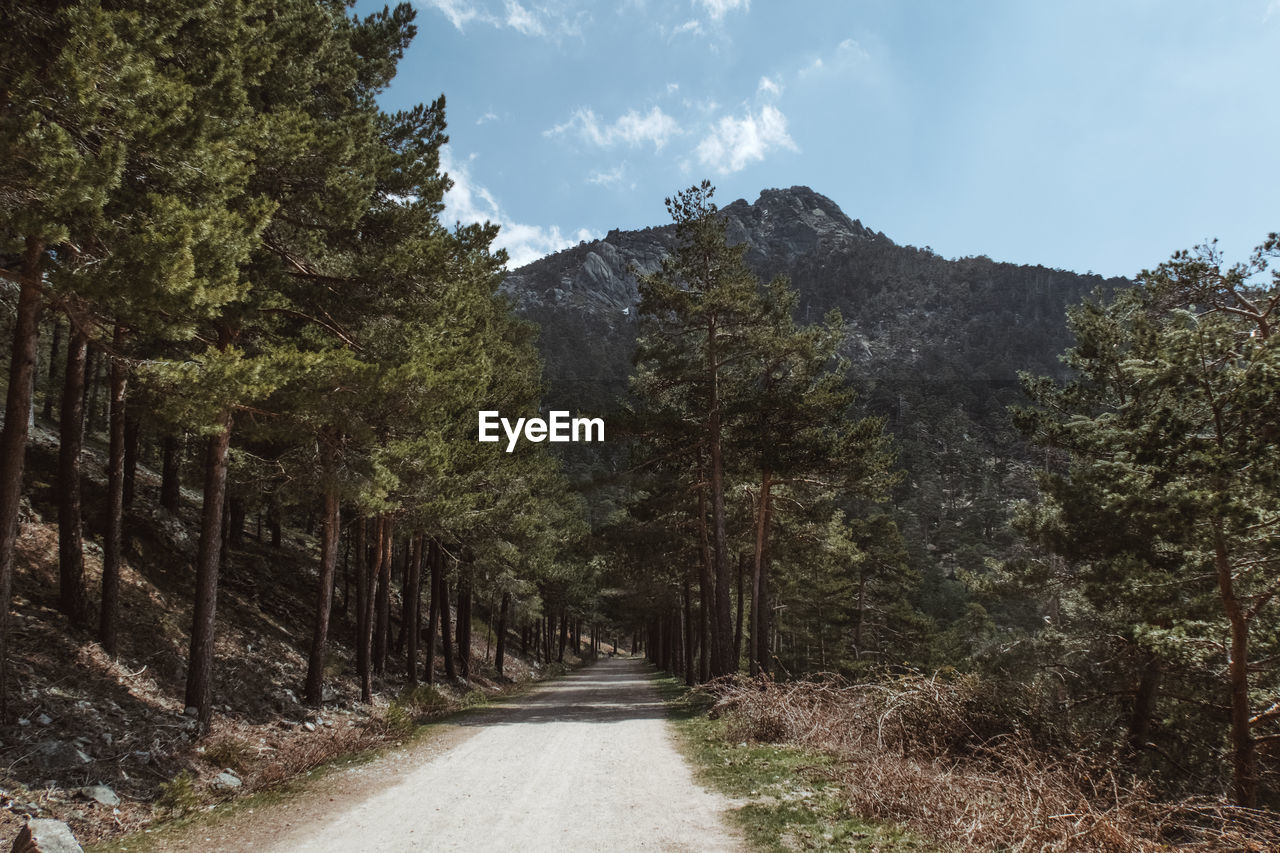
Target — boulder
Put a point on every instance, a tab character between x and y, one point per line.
225	781
46	836
100	794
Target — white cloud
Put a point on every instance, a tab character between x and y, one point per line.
850	50
693	27
717	9
461	12
545	21
487	117
611	178
468	202
770	87
632	128
733	143
672	88
524	21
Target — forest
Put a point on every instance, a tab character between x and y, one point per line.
238	319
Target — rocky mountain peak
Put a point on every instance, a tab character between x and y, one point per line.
600	275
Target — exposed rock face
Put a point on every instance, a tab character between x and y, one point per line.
905	309
46	836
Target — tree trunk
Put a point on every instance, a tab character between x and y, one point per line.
547	625
406	606
92	384
382	620
564	634
51	373
132	436
436	566
464	624
446	638
71	593
237	512
502	632
113	546
274	524
722	666
1144	702
13	440
364	611
706	592
737	619
171	474
1244	758
689	629
200	665
413	606
329	535
759	582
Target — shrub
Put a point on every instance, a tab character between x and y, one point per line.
178	796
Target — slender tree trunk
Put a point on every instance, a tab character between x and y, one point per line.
200	667
364	611
446	638
274	524
13	440
413	606
464	623
502	632
71	593
236	514
1244	759
723	665
547	633
93	383
132	438
737	623
706	592
330	532
1144	702
51	373
406	606
564	634
346	577
113	550
689	633
759	582
382	620
171	473
435	564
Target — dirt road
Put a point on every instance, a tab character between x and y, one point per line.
583	763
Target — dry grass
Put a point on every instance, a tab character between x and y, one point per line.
972	770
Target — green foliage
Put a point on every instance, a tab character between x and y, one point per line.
1161	512
178	796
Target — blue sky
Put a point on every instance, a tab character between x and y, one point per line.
1084	135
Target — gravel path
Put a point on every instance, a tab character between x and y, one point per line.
583	763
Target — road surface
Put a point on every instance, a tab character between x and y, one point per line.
585	762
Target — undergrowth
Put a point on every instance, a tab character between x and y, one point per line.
791	797
968	767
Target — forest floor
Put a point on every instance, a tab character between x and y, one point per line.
583	762
102	743
785	797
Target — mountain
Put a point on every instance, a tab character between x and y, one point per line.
912	316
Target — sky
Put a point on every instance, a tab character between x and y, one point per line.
1090	135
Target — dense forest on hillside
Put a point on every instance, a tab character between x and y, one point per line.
1027	517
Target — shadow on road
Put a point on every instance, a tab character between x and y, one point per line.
609	691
